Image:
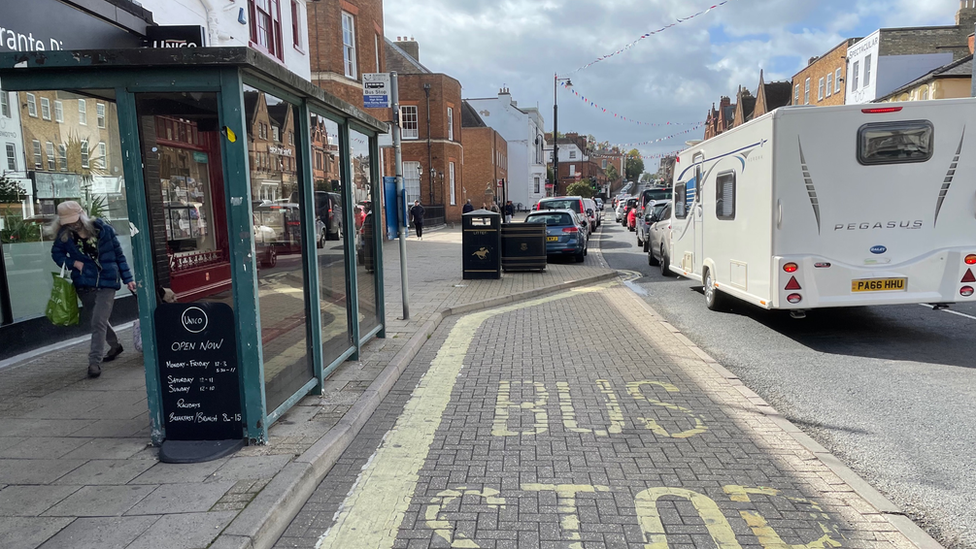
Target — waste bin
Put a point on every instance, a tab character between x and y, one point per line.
523	247
481	245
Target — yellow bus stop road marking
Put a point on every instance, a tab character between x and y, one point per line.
371	514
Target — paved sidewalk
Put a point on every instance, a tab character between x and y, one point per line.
76	470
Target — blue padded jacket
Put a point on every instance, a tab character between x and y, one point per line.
111	265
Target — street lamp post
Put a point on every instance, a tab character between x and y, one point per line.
555	131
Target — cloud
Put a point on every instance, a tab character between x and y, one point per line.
672	76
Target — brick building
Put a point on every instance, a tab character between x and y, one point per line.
430	119
719	120
345	41
768	97
611	157
485	169
577	162
821	83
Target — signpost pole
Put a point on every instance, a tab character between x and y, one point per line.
398	166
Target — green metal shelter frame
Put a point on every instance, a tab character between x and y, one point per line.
224	71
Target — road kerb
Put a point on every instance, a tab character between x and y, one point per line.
895	516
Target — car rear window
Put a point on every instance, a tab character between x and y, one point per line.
657	194
561	205
895	142
550	219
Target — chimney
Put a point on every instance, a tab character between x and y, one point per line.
725	102
812	60
966	16
410	46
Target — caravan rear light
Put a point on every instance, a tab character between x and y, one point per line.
968	277
794	298
881	110
822	265
790	267
792	284
970	259
966	291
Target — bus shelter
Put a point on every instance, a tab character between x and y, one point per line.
244	197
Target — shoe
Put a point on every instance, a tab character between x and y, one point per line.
112	354
94	370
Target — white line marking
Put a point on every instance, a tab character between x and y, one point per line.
950	311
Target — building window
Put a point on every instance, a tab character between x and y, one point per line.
100	113
276	134
349	44
837	80
82	112
4	104
572	171
855	75
924	94
830	83
820	90
291	138
411	180
11	157
409	122
796	94
296	24
45	108
50	156
63	157
536	185
102	159
572	155
266	26
806	92
450	167
604	163
450	123
725	196
867	70
84	155
38	159
262	130
31	105
58	111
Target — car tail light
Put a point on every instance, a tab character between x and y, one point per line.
793	284
966	291
968	277
570	230
970	259
794	298
881	110
790	267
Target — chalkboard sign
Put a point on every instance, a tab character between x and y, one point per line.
200	380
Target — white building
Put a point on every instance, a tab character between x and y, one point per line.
237	24
523	129
873	73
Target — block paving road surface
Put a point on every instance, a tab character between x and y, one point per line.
578	420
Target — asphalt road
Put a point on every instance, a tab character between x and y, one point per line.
889	390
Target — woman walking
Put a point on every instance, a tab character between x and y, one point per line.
91	250
417	212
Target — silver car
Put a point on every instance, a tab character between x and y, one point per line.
659	252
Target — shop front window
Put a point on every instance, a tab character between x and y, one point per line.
330	237
60	172
362	190
278	230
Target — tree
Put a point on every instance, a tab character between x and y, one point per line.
611	173
582	188
634	166
11	191
645	177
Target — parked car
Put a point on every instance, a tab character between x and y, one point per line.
564	236
592	214
629	205
643	227
574	203
599	205
659	248
328	216
619	209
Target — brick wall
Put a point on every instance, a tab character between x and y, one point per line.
482	168
828	63
918	40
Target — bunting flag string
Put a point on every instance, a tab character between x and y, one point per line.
622	117
649	34
672	136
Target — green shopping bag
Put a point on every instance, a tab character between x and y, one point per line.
62	308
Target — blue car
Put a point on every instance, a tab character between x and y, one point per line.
563	235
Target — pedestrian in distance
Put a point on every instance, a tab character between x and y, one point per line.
417	214
467	207
91	250
509	211
494	207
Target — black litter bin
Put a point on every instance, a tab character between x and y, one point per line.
481	245
523	247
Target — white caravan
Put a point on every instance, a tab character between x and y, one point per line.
811	207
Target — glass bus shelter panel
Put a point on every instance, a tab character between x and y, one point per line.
367	223
57	146
179	135
278	230
330	236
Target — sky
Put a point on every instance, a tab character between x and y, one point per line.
673	76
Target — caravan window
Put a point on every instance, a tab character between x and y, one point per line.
725	195
895	142
681	200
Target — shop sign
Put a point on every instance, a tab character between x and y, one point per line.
175	36
196	345
53	25
280	151
57	185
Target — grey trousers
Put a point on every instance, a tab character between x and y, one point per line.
98	308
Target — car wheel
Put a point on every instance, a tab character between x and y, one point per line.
665	263
647	244
270	257
320	241
586	250
579	257
651	260
640	241
714	299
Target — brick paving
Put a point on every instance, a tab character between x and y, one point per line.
586	422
